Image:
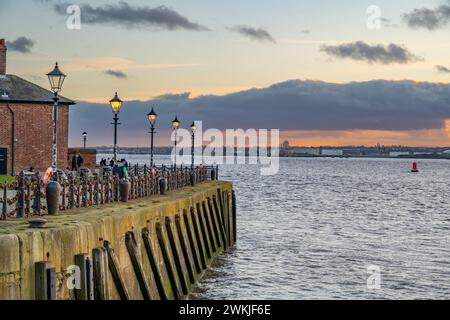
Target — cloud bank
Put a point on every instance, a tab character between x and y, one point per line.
361	51
431	19
442	69
258	34
21	44
116	74
292	105
124	15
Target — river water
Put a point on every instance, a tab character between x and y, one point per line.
336	229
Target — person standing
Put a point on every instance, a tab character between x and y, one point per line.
80	161
120	170
74	162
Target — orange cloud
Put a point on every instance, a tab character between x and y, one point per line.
433	137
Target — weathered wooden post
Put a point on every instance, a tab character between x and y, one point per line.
45	281
100	271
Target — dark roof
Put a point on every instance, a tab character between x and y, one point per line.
16	89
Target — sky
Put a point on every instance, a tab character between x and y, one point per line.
321	71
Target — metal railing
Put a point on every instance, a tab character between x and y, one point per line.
26	197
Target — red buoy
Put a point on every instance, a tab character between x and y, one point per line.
415	168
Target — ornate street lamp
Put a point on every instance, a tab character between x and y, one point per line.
176	125
152	116
84	139
193	130
116	105
56	79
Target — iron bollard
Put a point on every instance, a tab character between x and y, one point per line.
192	177
52	191
124	190
213	174
162	186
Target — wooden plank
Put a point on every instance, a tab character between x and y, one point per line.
208	227
214	223
221	223
198	237
132	247
51	284
90	279
192	244
153	264
167	262
40	280
100	268
203	230
176	257
114	267
184	250
80	261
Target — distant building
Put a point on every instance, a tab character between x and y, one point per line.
285	145
332	152
396	154
26	123
305	151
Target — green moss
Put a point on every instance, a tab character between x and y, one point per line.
7	179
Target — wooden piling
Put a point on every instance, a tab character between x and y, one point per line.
133	251
169	269
114	267
100	269
176	257
185	252
153	264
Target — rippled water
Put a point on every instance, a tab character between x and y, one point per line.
311	231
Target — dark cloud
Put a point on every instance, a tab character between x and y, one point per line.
291	105
122	14
431	19
442	69
21	44
259	34
116	73
306	31
176	96
362	51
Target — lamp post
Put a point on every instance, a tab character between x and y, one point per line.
84	140
152	116
176	125
116	104
56	79
193	130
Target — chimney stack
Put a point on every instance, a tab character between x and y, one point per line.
3	50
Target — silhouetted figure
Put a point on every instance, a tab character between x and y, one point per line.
74	162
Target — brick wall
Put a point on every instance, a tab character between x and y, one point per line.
3	50
89	156
33	133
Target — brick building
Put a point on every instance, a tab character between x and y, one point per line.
26	123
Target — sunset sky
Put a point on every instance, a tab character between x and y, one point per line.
311	63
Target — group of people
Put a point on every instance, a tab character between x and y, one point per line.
110	162
120	167
77	162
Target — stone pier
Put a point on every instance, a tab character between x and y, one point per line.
153	249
